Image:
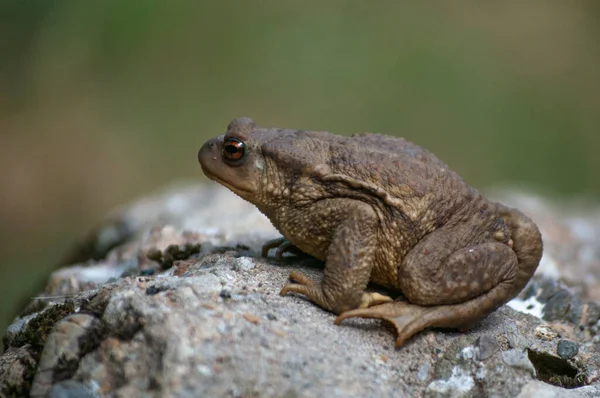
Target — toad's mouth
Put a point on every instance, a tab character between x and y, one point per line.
214	177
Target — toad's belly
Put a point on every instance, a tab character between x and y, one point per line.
385	272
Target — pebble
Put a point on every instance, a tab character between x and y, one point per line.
244	264
518	359
567	349
423	372
147	272
544	332
252	318
271	317
563	305
488	346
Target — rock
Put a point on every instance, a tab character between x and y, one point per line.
175	300
567	349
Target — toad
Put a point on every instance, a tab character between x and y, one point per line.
377	208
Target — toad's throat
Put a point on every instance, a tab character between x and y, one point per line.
240	191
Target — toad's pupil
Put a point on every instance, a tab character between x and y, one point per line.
231	148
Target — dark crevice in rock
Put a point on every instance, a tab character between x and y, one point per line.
97	304
65	369
129	327
157	363
92	339
239	250
68	363
173	253
152	290
33	338
555	370
12	386
153	384
38	328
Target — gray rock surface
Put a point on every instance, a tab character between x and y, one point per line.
170	297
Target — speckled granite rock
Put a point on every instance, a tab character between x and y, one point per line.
170	298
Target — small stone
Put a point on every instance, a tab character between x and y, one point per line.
567	349
487	345
147	272
152	290
225	294
547	288
518	359
252	318
563	306
544	332
423	372
205	283
244	264
204	370
271	317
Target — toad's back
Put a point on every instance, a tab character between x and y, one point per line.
389	172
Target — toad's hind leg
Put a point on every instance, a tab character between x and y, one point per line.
452	297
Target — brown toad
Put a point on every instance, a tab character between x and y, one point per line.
378	209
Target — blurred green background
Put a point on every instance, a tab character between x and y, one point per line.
102	102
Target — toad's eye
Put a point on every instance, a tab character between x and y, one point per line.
233	149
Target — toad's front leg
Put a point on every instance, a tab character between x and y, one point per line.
282	245
348	263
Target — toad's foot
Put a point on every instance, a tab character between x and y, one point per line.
314	292
371	299
304	285
408	319
283	246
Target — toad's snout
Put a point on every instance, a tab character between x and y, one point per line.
209	152
209	157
